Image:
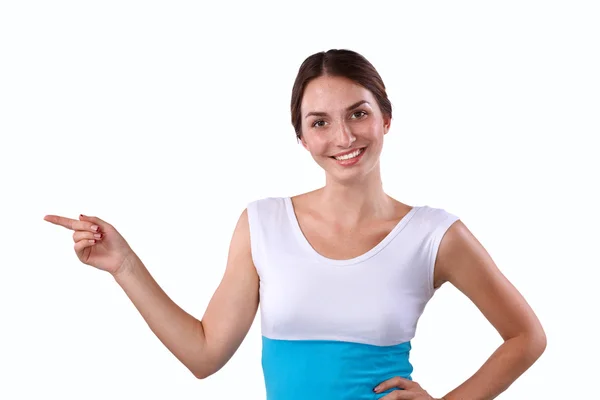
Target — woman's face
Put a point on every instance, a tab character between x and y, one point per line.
342	127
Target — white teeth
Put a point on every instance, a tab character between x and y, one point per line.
349	156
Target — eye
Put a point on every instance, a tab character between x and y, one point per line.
316	123
360	114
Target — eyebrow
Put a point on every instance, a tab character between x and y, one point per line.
323	114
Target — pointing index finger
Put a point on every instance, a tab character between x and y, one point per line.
68	223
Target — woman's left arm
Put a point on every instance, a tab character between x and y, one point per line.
463	261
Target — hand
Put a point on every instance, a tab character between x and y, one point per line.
412	390
103	248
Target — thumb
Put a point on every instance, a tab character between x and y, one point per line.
102	224
395	382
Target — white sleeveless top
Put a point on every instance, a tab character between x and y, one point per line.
333	329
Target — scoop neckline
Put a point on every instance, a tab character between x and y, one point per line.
310	250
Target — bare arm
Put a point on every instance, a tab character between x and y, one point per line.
464	262
202	346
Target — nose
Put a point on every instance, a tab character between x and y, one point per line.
344	136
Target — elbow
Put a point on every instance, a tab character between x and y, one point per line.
203	370
536	343
201	365
206	363
540	342
201	373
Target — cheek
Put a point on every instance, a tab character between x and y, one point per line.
375	129
316	144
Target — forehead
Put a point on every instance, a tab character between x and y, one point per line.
333	92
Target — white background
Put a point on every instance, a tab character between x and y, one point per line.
167	118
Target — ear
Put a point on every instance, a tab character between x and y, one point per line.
387	122
303	142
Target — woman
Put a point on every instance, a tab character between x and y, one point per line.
342	273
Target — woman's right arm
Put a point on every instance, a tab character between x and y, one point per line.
203	346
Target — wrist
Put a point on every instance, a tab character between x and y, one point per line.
127	267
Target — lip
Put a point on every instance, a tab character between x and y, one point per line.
351	162
348	152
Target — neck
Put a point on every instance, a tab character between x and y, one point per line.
353	202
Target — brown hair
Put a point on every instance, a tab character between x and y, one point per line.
343	63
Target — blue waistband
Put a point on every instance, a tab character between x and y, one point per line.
319	369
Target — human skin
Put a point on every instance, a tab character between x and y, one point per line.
350	201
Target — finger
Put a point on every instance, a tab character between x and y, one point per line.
82	244
62	221
95	220
80	235
72	224
400	395
395	382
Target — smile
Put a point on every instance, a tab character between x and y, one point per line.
349	156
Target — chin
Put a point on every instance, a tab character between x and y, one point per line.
350	174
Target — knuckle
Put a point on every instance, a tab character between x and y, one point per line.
80	235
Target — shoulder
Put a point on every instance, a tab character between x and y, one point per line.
433	225
460	254
275	204
267	200
435	220
266	205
